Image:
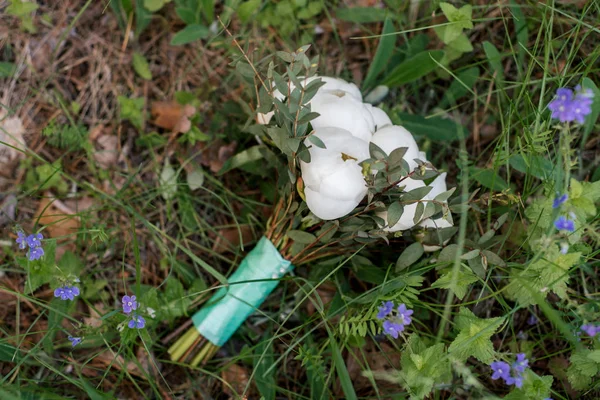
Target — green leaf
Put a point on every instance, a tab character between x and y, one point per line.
495	60
458	283
409	256
414	68
394	212
189	34
20	8
463	84
448	33
140	65
434	128
167	181
342	371
590	120
92	392
538	166
246	9
142	17
249	155
301	236
488	178
461	44
474	337
462	17
522	32
361	15
7	69
195	178
264	374
154	5
384	52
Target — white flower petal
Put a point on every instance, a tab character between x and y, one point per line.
391	137
327	208
380	118
343	112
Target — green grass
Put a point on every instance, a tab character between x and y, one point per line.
312	338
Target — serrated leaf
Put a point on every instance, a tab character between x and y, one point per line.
168	181
140	65
409	256
474	337
458	283
195	178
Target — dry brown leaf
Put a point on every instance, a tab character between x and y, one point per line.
96	313
60	221
107	150
107	359
213	154
11	134
229	239
235	380
172	116
378	359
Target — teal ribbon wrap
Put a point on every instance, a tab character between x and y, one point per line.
255	278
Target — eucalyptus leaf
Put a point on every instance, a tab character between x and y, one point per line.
409	256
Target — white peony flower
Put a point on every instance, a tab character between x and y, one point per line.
333	181
342	110
333	86
380	118
438	187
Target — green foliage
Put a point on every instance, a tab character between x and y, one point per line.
414	68
286	16
584	365
534	387
67	137
45	176
132	110
473	339
458	283
423	368
457	43
140	65
433	128
22	10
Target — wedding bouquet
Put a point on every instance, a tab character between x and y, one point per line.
348	177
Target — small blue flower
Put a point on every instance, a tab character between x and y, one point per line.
21	241
74	340
560	200
521	364
137	321
569	107
591	330
35	253
564	224
385	309
129	304
500	370
532	320
516	380
67	292
392	328
404	314
34	240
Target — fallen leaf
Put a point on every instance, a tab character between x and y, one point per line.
59	220
213	154
11	134
95	318
229	239
172	115
107	359
235	380
377	358
107	153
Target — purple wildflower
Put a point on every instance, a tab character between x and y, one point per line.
67	292
516	380
591	330
138	322
385	309
404	314
129	304
391	328
560	200
563	223
567	107
35	253
500	369
34	240
74	340
521	363
21	240
532	320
